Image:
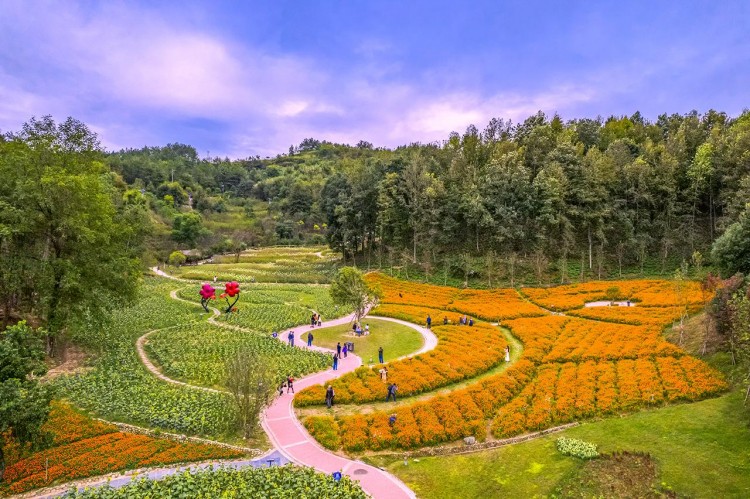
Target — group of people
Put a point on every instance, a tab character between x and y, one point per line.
358	331
288	384
315	320
465	321
462	321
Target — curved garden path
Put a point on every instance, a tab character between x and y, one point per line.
280	421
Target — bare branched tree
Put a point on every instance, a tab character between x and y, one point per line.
252	382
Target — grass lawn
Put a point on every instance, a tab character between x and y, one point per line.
397	340
701	449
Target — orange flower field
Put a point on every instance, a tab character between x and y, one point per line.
492	305
462	352
84	447
653	293
600	361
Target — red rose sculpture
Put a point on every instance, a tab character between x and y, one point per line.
207	292
231	290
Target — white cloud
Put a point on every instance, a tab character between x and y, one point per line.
126	65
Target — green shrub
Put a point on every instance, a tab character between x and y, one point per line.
577	448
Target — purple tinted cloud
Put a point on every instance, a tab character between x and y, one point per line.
241	81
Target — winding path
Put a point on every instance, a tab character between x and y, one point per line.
280	421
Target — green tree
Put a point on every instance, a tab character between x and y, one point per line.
24	402
187	228
349	289
176	258
731	251
71	239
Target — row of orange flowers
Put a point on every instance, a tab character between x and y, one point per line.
564	392
443	418
462	353
487	304
584	339
637	316
651	292
585	368
83	447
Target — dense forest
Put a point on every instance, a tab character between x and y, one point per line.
587	197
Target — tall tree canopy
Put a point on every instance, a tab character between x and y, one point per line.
69	244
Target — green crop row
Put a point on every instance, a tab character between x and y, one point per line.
197	354
277	482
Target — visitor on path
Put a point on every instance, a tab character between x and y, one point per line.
281	388
367	329
290	337
309	339
445	321
628	303
471	322
345	350
429	321
392	389
289	383
392	420
214	278
335	362
338	348
507	354
380	355
329	396
313	320
383	374
320	321
359	330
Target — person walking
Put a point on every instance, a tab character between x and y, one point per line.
429	321
290	337
507	354
345	350
289	383
329	396
338	348
392	389
313	320
281	388
335	362
309	339
380	355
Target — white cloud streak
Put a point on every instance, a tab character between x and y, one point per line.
118	65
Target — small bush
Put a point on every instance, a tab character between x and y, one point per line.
577	448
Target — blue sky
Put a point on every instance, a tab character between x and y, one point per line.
244	78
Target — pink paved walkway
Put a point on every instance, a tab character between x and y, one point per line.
293	441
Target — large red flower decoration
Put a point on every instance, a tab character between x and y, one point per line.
232	289
207	292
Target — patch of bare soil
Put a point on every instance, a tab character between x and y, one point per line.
619	475
72	361
694	334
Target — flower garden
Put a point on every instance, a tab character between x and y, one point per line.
590	362
575	364
84	447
